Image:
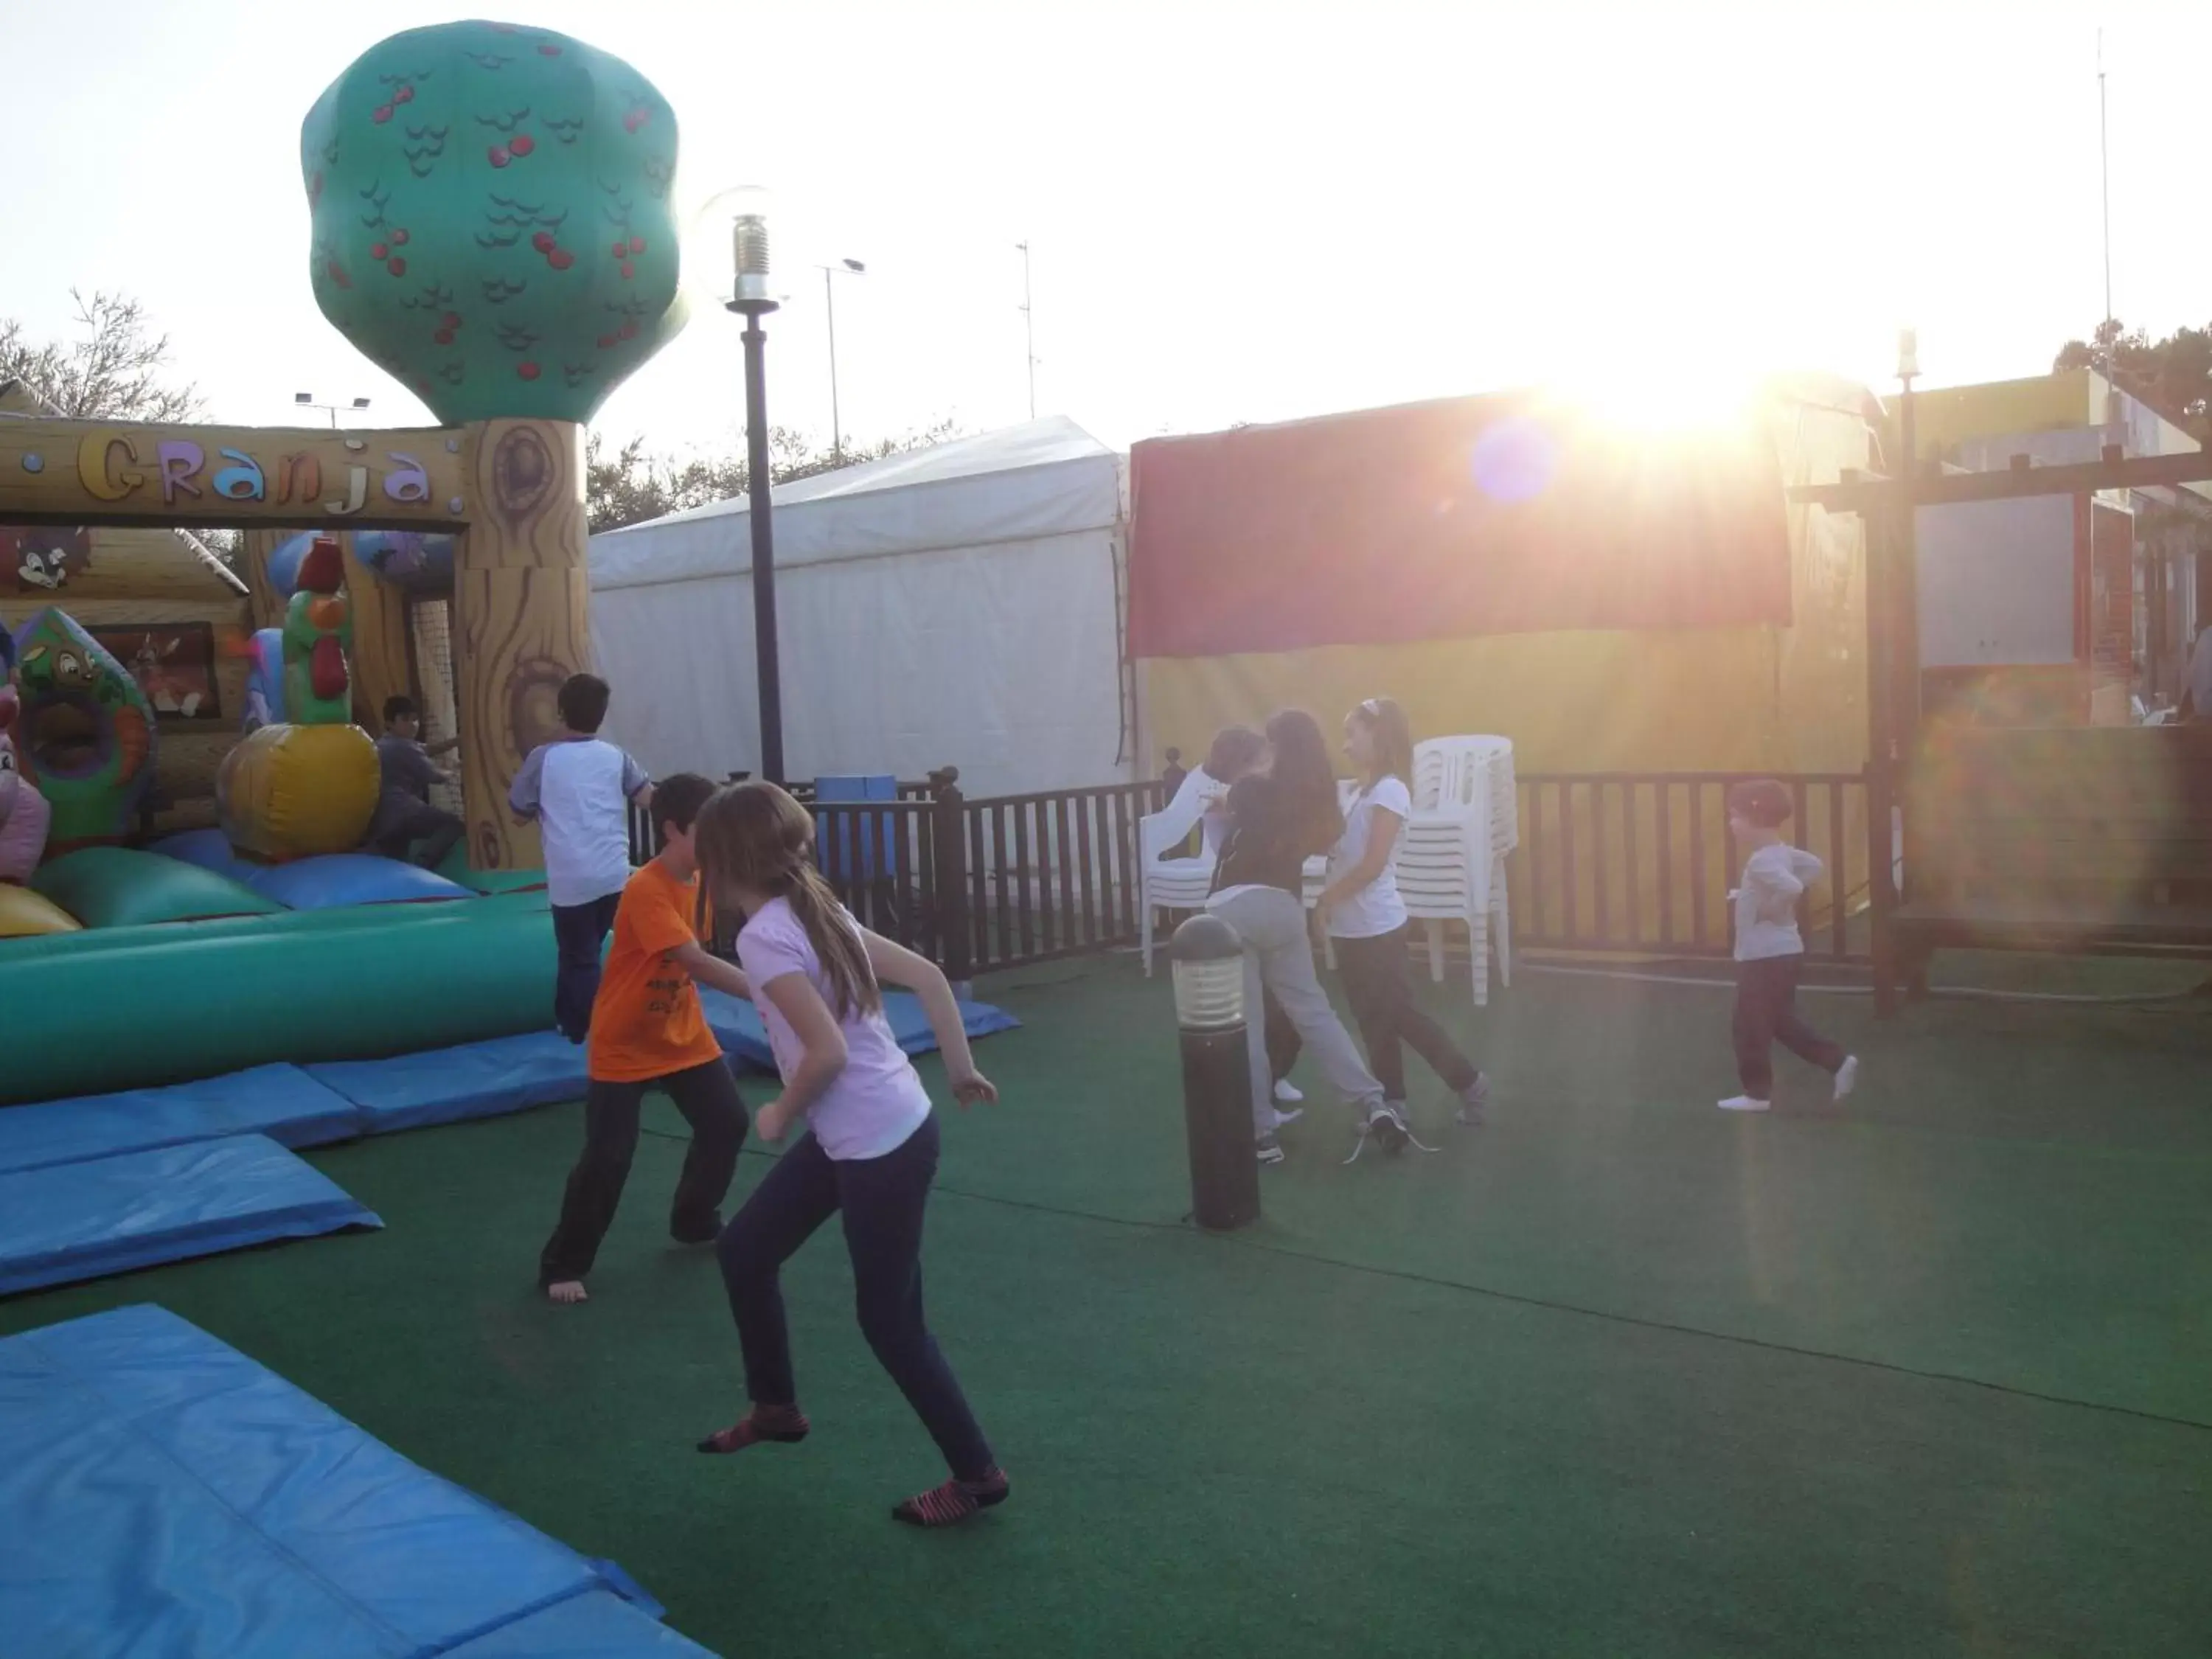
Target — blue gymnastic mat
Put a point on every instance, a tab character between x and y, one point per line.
597	1624
281	1101
164	1494
72	1221
736	1025
445	1086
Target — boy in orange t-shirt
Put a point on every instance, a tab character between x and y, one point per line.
649	1031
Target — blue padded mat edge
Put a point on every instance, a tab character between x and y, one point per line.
171	1495
469	1080
72	1221
281	1101
736	1025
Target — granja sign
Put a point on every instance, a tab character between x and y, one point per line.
107	465
70	472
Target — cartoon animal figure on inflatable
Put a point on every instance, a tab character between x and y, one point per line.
308	785
84	732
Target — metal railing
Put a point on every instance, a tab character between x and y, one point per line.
1642	863
985	884
1612	862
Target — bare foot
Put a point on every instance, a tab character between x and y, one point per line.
566	1291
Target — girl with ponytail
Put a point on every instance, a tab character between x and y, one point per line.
870	1148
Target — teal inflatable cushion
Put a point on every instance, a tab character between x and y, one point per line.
117	887
325	882
456	869
129	1007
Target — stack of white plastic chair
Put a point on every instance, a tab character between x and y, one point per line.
1166	883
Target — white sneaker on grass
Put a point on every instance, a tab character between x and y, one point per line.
1269	1150
1283	1117
1288	1093
1847	1076
1742	1103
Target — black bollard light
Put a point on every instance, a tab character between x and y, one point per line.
1217	1073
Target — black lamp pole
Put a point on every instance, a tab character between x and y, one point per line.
753	303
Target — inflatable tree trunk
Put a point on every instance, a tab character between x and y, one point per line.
492	225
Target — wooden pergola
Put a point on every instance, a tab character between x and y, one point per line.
1893	713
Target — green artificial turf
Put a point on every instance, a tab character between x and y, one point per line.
1616	1374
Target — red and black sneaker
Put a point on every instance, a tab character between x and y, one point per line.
786	1424
949	1505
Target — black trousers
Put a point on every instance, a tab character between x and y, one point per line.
580	934
426	833
1765	1014
1380	992
881	1200
707	1096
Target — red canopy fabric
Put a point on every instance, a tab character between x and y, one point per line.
1489	515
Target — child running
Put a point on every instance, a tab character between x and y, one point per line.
648	1031
1277	819
576	787
1769	952
870	1151
1367	920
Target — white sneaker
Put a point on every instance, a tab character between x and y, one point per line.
1288	1094
1847	1076
1742	1103
1292	1117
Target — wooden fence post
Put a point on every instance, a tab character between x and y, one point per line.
949	872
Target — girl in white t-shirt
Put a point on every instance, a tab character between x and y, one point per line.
869	1149
1366	919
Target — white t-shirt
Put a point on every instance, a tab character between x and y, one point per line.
876	1101
579	790
1774	877
1375	910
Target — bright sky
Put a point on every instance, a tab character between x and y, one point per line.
1248	212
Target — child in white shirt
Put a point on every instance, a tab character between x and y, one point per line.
1367	922
578	788
1769	952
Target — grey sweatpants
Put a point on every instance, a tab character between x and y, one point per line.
1278	957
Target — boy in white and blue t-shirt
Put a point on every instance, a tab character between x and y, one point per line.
578	788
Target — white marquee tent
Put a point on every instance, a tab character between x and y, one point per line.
956	605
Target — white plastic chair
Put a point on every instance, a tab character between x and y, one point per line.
1166	884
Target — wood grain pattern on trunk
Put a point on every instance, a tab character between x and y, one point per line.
521	597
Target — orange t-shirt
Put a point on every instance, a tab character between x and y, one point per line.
647	1022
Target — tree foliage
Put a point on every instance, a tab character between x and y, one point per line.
2173	375
116	369
634	483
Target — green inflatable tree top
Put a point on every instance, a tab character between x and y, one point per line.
492	221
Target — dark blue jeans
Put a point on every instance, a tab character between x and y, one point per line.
881	1199
580	934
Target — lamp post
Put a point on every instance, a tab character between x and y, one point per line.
307	400
842	268
747	209
1217	1073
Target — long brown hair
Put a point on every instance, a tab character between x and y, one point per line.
755	837
1385	721
1303	770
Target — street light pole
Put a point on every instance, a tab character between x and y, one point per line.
1028	326
850	267
751	300
307	400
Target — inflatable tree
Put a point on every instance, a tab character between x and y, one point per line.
492	221
84	732
492	224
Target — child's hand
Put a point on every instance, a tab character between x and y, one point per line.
974	1090
773	1121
